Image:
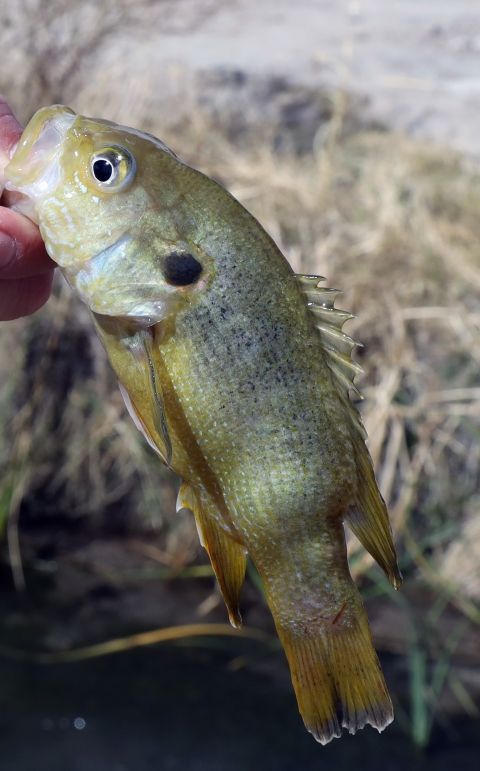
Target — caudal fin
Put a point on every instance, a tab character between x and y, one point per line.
337	677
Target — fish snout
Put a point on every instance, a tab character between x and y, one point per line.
33	168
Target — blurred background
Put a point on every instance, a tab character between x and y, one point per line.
350	130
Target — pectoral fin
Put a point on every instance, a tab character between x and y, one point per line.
158	407
228	557
130	350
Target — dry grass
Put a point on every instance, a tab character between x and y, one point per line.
392	222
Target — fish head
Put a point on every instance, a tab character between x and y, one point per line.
107	201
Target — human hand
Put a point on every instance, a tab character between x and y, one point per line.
26	270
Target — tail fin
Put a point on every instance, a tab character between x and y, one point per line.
337	677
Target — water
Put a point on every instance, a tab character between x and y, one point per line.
179	707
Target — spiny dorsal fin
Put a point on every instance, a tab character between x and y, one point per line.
329	321
368	516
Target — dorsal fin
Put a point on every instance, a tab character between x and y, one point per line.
367	516
329	321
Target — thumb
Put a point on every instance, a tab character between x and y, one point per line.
10	132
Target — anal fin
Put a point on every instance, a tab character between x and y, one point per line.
228	557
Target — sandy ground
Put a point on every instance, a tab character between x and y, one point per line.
412	64
418	62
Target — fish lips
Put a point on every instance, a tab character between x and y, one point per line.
34	167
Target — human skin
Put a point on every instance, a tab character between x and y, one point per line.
26	270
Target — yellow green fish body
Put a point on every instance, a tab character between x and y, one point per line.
238	373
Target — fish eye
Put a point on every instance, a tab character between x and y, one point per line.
112	168
181	269
102	170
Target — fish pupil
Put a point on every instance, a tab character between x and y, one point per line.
181	269
102	170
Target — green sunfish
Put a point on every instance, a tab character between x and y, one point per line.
238	373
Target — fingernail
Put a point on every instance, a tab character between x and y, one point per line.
8	249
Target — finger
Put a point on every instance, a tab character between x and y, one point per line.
22	251
23	296
10	132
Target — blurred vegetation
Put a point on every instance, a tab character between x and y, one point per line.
392	222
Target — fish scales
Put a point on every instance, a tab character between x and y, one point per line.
233	380
274	386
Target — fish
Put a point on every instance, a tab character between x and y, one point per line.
239	374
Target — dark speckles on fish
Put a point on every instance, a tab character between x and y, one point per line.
238	373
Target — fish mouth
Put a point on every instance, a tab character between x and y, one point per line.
33	170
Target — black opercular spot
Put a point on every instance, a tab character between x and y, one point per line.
181	269
102	170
